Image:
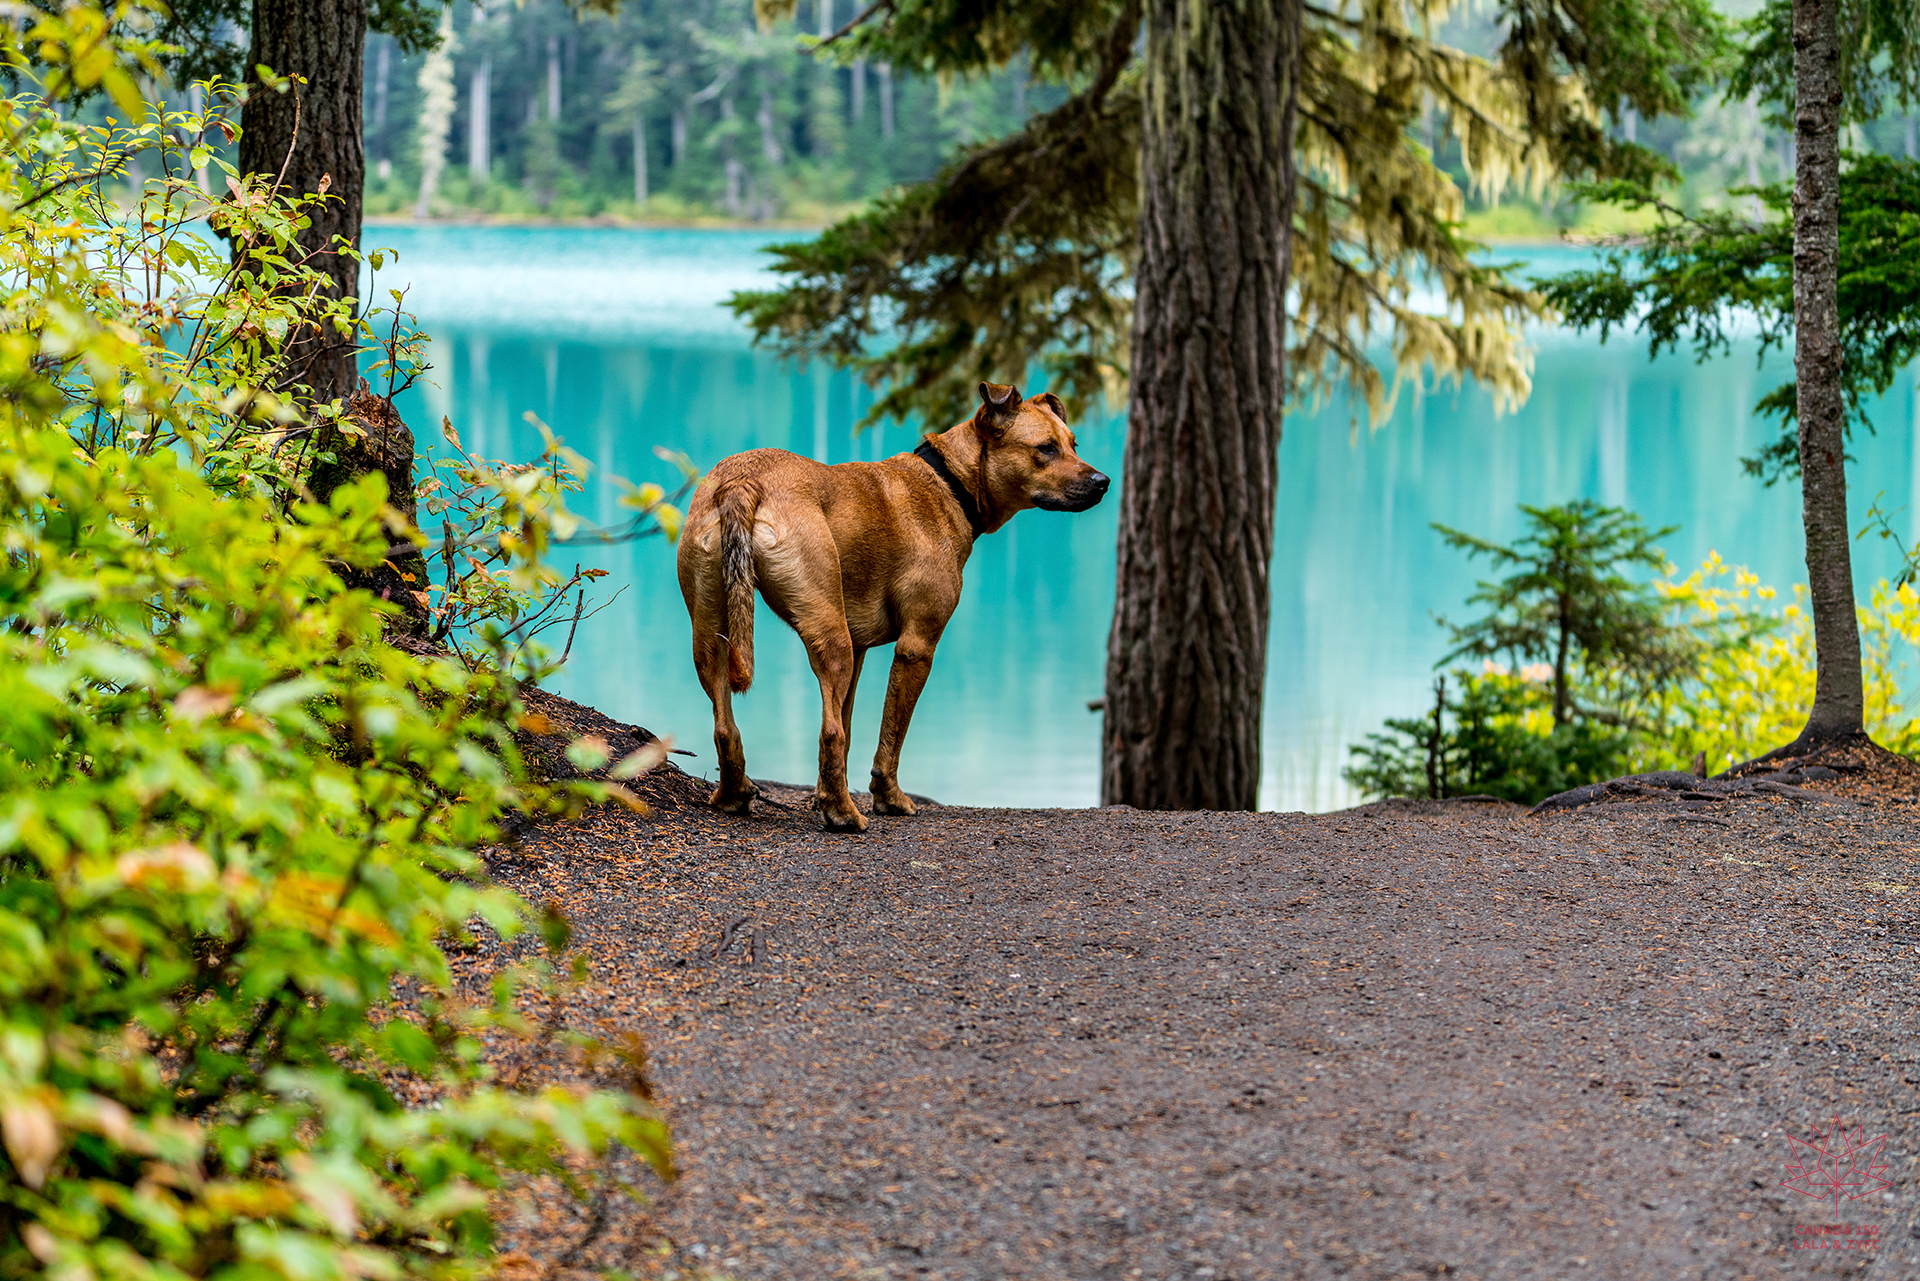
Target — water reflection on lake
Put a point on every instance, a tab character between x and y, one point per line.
615	338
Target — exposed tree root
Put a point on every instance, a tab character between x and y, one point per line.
1850	768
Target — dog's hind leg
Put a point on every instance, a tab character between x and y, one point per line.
853	688
912	661
797	566
837	664
736	791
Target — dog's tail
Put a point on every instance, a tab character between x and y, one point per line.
737	504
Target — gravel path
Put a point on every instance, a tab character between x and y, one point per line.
1409	1041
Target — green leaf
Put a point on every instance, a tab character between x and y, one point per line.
409	1045
555	932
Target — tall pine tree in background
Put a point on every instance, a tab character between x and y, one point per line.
1845	56
1244	149
1835	270
1840	698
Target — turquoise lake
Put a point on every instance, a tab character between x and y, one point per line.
619	340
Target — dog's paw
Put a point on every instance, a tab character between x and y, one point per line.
852	821
889	799
734	802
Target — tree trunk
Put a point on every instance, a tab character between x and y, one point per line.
734	169
1186	660
553	79
639	161
770	148
1839	700
884	73
825	128
324	41
382	67
479	118
383	444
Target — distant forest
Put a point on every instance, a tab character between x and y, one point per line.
687	110
666	109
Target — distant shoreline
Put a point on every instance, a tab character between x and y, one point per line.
745	224
595	220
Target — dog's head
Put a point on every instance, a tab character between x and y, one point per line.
1027	456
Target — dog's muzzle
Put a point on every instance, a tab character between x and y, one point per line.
1077	497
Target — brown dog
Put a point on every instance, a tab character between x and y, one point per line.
854	556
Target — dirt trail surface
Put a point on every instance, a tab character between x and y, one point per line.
1409	1041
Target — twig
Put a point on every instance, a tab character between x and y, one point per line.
446	555
726	938
635	528
393	346
596	1223
1883	520
98	173
291	143
858	18
579	603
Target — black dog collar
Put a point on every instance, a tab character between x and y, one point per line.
968	507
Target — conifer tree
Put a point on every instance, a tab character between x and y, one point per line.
1832	265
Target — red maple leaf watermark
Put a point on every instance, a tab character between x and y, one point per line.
1837	1165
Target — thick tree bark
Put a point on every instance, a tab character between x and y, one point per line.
382	443
324	41
1839	701
1186	660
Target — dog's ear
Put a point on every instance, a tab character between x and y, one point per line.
998	401
998	397
1052	402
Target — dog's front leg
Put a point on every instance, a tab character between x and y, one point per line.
912	661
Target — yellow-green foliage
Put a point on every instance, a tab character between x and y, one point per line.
236	827
1751	698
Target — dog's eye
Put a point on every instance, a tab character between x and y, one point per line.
1049	450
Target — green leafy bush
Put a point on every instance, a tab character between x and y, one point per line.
237	828
1490	733
135	330
1745	699
1590	653
236	825
490	585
